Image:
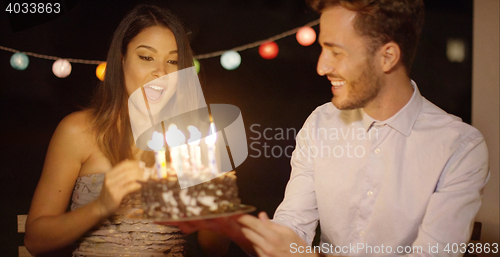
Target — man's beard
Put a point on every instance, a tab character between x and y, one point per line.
360	91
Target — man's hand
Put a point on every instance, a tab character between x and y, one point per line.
270	239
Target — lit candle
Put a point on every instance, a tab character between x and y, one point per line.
161	164
176	142
210	141
186	165
194	148
156	143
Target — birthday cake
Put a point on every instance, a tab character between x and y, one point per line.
186	181
165	199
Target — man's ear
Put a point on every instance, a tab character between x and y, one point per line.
391	54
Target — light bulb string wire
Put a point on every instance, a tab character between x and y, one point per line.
48	57
257	43
198	57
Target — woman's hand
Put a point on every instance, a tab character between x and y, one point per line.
119	182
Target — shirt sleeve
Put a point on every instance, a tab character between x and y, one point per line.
449	217
299	210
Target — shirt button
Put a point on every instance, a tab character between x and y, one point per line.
369	193
362	233
377	150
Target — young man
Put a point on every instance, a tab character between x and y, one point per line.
382	168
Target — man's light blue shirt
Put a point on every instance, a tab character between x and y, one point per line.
415	179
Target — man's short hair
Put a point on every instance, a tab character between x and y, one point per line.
383	21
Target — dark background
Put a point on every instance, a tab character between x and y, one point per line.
278	93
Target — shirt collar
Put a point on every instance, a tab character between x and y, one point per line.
367	121
404	119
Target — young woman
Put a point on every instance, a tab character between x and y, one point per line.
92	159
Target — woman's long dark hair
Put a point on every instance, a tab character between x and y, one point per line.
110	119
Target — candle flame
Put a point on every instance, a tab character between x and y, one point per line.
195	136
212	135
174	136
156	142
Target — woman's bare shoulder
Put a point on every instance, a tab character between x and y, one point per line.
75	133
76	123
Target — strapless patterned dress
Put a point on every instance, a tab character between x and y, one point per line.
119	235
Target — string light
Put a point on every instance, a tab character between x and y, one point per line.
19	61
230	60
269	50
197	65
306	36
61	68
100	71
197	57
